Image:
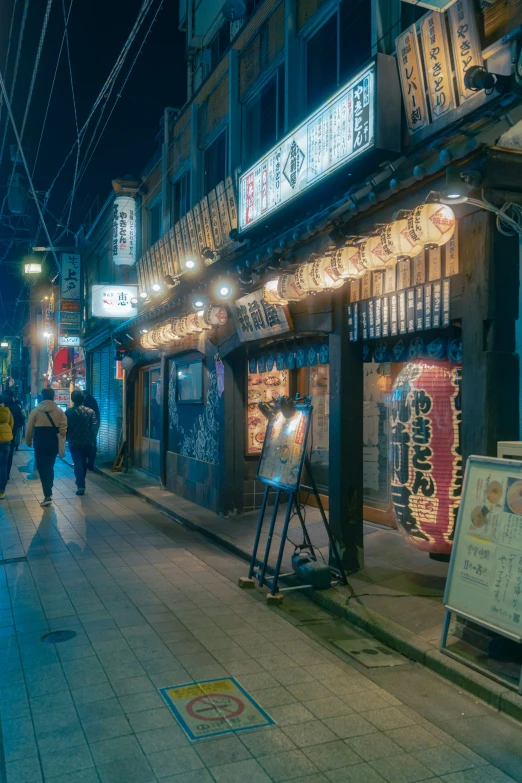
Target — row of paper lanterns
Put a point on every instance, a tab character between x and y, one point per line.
428	225
176	328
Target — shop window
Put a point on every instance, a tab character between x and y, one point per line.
189	382
264	118
262	387
336	50
151	406
180	197
154	223
215	161
376	405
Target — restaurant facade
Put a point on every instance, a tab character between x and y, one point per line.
368	258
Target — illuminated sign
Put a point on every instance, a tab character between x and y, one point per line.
338	132
32	269
70	280
68	341
124	231
114	301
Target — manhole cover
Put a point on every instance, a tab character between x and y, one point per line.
58	636
370	652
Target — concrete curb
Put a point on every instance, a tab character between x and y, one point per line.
395	636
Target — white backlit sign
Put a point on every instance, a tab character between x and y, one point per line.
339	131
68	341
114	301
124	231
32	269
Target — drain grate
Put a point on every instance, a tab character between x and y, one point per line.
10	560
55	637
370	652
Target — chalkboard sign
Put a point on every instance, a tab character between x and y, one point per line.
485	575
284	449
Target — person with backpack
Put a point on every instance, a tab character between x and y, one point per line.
47	427
82	427
18	418
90	402
6	436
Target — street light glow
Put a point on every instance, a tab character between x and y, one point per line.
32	269
4	345
156	287
47	334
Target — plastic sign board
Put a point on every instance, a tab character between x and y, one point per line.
62	397
214	707
32	269
68	341
336	133
485	575
284	450
70	278
114	301
124	231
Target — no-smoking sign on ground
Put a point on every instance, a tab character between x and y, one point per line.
206	709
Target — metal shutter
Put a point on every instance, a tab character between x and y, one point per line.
115	419
103	400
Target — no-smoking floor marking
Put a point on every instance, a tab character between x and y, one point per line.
214	707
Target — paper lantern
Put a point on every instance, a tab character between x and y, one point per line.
426	463
289	290
431	224
375	255
397	241
272	294
303	278
324	275
215	316
347	262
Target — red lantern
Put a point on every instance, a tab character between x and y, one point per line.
426	463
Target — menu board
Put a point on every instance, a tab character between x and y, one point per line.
284	449
485	576
262	387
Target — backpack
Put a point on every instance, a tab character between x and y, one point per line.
80	431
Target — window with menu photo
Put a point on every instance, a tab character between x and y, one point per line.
189	381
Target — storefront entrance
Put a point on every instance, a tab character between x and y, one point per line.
148	420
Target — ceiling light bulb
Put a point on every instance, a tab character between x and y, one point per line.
156	287
224	290
199	303
190	264
143	294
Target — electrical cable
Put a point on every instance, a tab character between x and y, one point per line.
9	47
506	225
74	109
15	71
24	161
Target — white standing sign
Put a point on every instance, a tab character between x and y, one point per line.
465	41
338	132
124	231
114	301
70	283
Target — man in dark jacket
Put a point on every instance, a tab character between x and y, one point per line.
81	434
90	402
18	418
46	427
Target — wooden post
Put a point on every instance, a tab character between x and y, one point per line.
346	439
490	376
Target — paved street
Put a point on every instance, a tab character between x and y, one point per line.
154	605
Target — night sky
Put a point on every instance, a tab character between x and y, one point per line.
98	30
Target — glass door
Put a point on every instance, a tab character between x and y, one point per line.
148	424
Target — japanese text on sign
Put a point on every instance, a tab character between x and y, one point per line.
412	81
436	61
465	42
70	287
255	318
124	231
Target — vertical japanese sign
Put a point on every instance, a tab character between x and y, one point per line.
412	81
124	231
437	64
70	282
465	42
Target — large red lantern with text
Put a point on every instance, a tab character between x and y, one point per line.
426	463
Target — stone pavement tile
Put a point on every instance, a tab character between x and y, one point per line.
24	770
109	750
168	678
469	754
316	777
266	741
132	685
479	775
328	708
309	690
293	676
390	718
197	776
239	772
412	738
14	710
346	726
136	702
126	770
257	682
281	661
201	673
287	765
167	762
82	776
362	701
369	747
105	728
246	666
84	672
58	729
62	762
224	750
151	719
332	755
165	738
312	733
106	708
92	693
328	671
119	670
45	679
353	684
402	768
287	714
358	773
18	738
442	760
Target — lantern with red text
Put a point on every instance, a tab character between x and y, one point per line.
426	463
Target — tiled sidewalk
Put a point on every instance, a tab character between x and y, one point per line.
152	610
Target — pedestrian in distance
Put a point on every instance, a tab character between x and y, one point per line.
82	428
6	436
90	402
47	427
18	418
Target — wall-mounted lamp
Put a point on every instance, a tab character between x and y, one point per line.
477	78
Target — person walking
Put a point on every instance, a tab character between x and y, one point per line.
82	427
18	418
90	402
6	436
47	426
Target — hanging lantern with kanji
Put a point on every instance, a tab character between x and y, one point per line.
431	225
426	462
